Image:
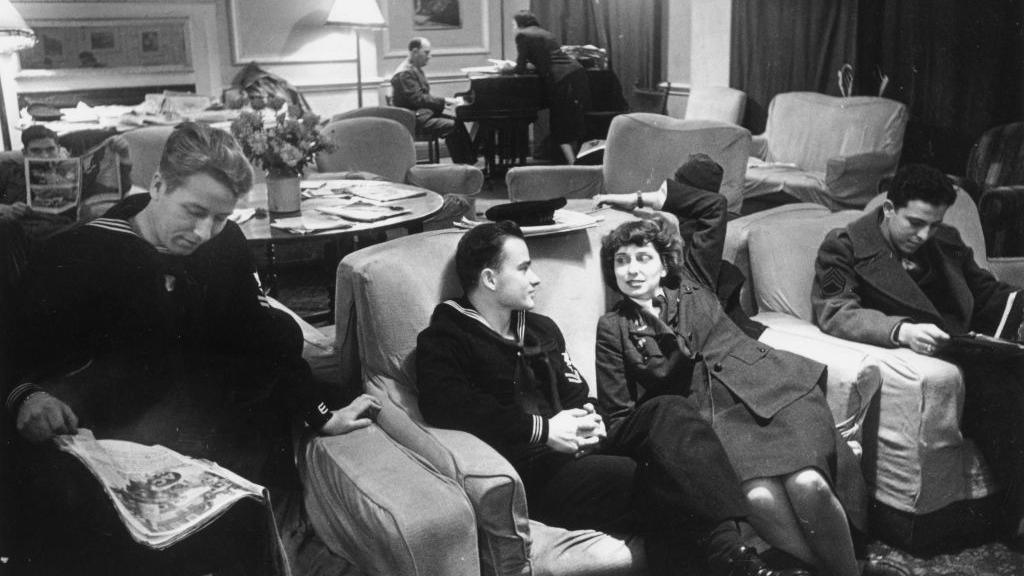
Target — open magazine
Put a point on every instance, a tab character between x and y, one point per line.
65	187
160	495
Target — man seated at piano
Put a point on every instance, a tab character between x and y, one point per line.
565	81
411	90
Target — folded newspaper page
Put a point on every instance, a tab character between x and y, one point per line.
161	496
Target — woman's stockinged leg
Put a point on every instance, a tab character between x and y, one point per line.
823	521
773	518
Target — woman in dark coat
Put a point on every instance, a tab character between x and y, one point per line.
671	335
565	81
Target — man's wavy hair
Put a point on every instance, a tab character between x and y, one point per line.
201	149
655	231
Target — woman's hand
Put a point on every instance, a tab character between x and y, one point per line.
359	414
620	201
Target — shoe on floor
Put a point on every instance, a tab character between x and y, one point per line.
744	561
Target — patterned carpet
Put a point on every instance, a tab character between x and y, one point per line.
992	559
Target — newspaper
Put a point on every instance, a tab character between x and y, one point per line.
62	186
161	496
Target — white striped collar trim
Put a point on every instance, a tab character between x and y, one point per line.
1006	314
112	224
518	318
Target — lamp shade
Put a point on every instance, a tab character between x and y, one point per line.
355	14
14	33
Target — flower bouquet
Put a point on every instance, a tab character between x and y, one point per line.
282	140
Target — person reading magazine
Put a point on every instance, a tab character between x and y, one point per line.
40	145
148	325
899	277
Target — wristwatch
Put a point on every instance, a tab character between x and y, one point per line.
639	199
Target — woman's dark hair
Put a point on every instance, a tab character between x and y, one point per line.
920	182
658	232
481	248
525	18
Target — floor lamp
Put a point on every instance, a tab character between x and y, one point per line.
357	14
14	35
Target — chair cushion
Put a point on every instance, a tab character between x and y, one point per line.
645	149
147	146
380	506
716	103
764	178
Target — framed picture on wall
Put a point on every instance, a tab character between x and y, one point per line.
436	14
109	44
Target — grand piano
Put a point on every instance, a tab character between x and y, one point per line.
504	106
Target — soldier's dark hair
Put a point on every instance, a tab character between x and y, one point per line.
416	43
481	248
920	182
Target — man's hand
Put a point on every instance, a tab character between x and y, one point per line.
620	201
13	211
922	338
119	145
591	430
563	430
41	417
359	414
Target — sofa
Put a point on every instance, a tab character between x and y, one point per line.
642	150
385	295
824	149
929	484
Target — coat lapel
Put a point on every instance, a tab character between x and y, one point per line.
877	264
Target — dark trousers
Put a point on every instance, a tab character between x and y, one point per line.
994	419
663	474
456	138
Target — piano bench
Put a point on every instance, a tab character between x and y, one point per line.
504	139
433	147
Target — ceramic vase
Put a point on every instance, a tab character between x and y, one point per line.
283	193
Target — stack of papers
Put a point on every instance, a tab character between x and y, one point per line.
362	211
308	224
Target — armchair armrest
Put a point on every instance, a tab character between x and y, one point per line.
494	488
544	182
447	178
852	181
759	146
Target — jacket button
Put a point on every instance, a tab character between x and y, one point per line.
717	367
762	349
698	356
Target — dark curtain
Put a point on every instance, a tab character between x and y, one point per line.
788	46
958	66
630	31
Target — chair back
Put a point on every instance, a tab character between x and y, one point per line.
644	149
716	103
807	128
378	145
147	147
403	116
784	248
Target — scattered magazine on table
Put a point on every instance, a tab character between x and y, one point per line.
362	211
379	191
160	495
307	224
61	186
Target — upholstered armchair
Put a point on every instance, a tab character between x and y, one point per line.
385	148
995	177
927	480
825	149
641	152
376	347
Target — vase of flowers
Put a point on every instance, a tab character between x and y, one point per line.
281	139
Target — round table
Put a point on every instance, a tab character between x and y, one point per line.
336	241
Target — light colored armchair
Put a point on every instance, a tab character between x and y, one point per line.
384	147
385	296
641	152
715	103
928	482
825	149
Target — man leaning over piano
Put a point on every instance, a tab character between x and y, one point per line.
411	90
